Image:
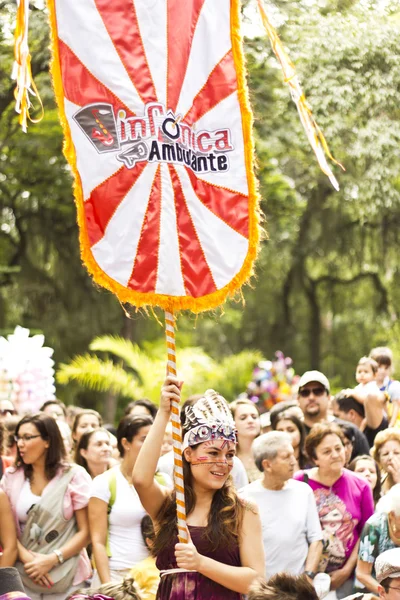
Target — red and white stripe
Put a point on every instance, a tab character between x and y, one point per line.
176	433
158	228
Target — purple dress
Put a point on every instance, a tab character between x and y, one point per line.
194	586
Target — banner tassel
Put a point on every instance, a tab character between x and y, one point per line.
22	72
313	132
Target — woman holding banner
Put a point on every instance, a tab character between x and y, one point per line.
225	551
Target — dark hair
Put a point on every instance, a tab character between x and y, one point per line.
55	456
224	520
348	432
382	355
146	403
83	444
278	408
10	426
81	413
147	529
348	403
283	586
2	432
57	402
287	416
385	583
129	426
376	492
318	432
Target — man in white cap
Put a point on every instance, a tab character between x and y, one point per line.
314	397
387	570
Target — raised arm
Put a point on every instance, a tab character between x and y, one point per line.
151	493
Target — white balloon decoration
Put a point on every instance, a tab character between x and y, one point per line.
26	371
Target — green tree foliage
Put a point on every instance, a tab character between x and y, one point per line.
140	373
326	287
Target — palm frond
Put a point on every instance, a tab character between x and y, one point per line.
99	375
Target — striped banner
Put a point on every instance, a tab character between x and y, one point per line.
158	132
176	433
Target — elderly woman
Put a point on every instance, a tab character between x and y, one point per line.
386	452
344	503
381	532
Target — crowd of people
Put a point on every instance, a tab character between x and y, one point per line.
283	501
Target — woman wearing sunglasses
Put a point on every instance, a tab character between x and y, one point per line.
49	500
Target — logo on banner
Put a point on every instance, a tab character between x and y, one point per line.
157	136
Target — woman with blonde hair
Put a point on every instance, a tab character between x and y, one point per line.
225	551
386	452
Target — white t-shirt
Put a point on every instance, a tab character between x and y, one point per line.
25	501
239	476
290	523
126	543
367	388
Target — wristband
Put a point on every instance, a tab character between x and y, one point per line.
310	574
59	555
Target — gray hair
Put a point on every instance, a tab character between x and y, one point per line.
390	502
266	446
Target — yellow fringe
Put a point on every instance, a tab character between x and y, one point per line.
168	303
313	132
22	71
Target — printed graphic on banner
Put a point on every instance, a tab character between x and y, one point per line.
157	136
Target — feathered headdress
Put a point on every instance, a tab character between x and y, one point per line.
208	419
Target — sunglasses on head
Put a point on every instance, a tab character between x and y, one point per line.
317	391
7	411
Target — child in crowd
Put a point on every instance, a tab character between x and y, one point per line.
366	372
145	573
384	358
123	590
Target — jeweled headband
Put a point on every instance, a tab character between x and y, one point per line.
208	419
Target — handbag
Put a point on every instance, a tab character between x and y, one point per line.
47	530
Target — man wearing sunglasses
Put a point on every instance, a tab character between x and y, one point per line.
314	398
